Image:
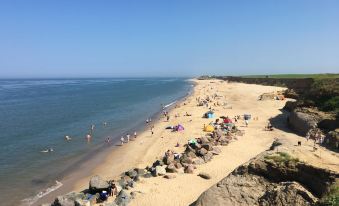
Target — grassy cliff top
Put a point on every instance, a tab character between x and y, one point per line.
299	76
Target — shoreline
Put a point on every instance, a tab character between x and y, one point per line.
83	168
147	148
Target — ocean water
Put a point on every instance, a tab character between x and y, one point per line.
37	114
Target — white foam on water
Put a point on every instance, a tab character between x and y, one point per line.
170	104
32	200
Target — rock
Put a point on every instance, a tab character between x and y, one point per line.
178	165
301	122
131	173
136	178
97	184
160	170
147	175
184	159
202	151
122	183
207	146
68	199
204	140
169	176
198	161
171	168
264	182
208	156
169	159
158	163
123	198
216	151
140	171
189	169
204	175
80	202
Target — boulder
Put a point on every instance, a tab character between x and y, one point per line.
208	156
198	161
178	165
140	171
204	175
189	169
147	175
80	202
97	184
171	168
204	140
202	152
68	199
123	198
301	122
207	146
160	170
216	151
184	159
169	159
131	173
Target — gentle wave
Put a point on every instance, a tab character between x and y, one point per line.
32	200
170	104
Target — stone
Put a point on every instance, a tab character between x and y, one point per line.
202	151
178	165
160	170
123	198
140	171
97	184
207	146
68	199
204	175
169	176
131	173
171	168
169	159
208	156
189	169
216	151
204	140
186	159
80	202
198	161
147	175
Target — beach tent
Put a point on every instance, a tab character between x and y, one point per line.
209	114
227	120
209	128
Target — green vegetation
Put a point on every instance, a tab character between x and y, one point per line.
332	197
282	157
297	76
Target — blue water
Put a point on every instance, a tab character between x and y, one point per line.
37	114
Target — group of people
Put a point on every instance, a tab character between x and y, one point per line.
128	138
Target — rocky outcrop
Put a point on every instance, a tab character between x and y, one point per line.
97	184
302	122
270	179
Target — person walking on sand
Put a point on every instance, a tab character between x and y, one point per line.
152	132
246	122
127	137
168	117
122	140
135	135
147	121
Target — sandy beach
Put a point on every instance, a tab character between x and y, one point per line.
185	188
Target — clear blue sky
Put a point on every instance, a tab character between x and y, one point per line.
68	38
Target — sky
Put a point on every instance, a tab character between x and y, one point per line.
160	38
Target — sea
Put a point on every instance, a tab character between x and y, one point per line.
37	114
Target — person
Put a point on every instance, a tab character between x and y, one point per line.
246	122
105	124
92	128
88	137
135	134
122	139
168	117
147	121
47	150
108	139
67	138
150	120
127	137
152	130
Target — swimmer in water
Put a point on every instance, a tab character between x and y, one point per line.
68	138
47	150
88	137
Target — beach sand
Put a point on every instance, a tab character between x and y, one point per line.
186	188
